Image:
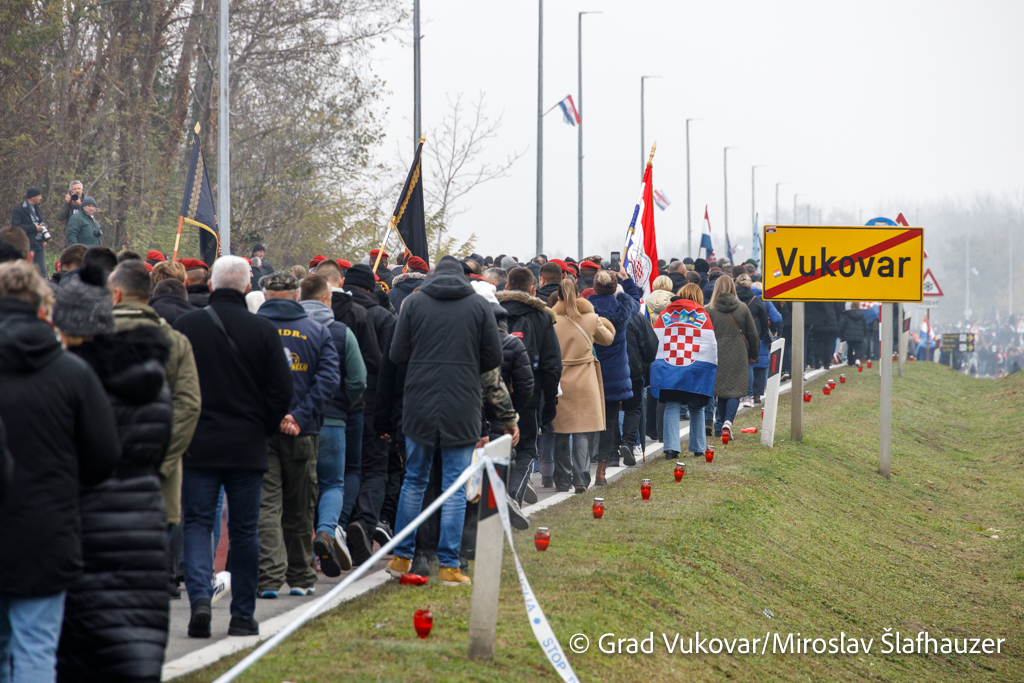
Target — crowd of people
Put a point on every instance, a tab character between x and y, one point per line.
319	408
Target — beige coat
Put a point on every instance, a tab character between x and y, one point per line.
581	405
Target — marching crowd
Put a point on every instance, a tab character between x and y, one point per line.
320	407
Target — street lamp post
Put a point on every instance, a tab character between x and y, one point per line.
689	217
224	136
540	126
777	202
643	143
725	173
579	130
753	205
794	208
416	75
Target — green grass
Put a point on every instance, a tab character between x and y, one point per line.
809	530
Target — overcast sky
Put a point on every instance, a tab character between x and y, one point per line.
848	106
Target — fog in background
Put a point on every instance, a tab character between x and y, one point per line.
862	110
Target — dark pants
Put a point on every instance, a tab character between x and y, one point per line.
610	437
633	409
200	489
396	473
787	353
287	509
525	453
39	257
353	465
854	352
760	380
373	478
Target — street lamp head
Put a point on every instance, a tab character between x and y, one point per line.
582	13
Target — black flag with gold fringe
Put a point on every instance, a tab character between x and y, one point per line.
408	217
197	207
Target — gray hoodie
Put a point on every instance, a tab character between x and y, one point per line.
354	371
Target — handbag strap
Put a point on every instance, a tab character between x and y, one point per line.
593	355
745	340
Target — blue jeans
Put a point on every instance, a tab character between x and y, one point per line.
330	476
726	412
353	466
29	631
453	512
698	440
199	491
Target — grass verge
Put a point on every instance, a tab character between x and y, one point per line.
807	530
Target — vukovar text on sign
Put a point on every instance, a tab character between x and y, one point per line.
819	263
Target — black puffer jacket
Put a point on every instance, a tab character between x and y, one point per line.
533	322
198	295
447	337
171	307
60	431
641	346
820	316
116	613
517	375
852	327
382	320
355	317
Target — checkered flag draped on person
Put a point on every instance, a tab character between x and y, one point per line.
687	357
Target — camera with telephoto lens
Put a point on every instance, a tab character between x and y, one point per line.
44	234
74	197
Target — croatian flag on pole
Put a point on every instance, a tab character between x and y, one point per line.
641	258
661	200
572	117
687	351
705	237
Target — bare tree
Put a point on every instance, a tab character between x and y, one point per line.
455	149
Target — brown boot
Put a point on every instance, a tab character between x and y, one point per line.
599	479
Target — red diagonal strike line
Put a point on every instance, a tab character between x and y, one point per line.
864	253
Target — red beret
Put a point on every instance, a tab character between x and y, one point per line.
247	260
573	267
587	293
149	268
155	255
373	254
417	264
193	263
316	260
589	265
561	264
343	264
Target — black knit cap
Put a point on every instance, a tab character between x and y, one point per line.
701	266
33	192
360	275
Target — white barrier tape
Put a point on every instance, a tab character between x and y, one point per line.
542	630
257	654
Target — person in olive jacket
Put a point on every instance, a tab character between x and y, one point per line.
738	347
447	336
61	435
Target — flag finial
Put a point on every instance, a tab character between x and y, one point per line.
196	129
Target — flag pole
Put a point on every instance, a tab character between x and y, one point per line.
177	239
387	234
651	157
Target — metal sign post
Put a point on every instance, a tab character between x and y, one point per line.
904	337
885	400
771	393
796	392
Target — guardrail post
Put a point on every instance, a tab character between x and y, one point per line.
490	545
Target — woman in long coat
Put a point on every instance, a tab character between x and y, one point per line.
581	405
738	346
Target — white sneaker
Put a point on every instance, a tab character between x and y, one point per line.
341	549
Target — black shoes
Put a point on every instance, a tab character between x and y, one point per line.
382	534
420	565
360	543
323	548
199	624
627	455
516	517
671	455
242	626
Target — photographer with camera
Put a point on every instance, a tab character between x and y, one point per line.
83	228
29	218
72	202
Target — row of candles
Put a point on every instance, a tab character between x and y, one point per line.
423	620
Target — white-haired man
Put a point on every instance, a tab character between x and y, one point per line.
246	385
